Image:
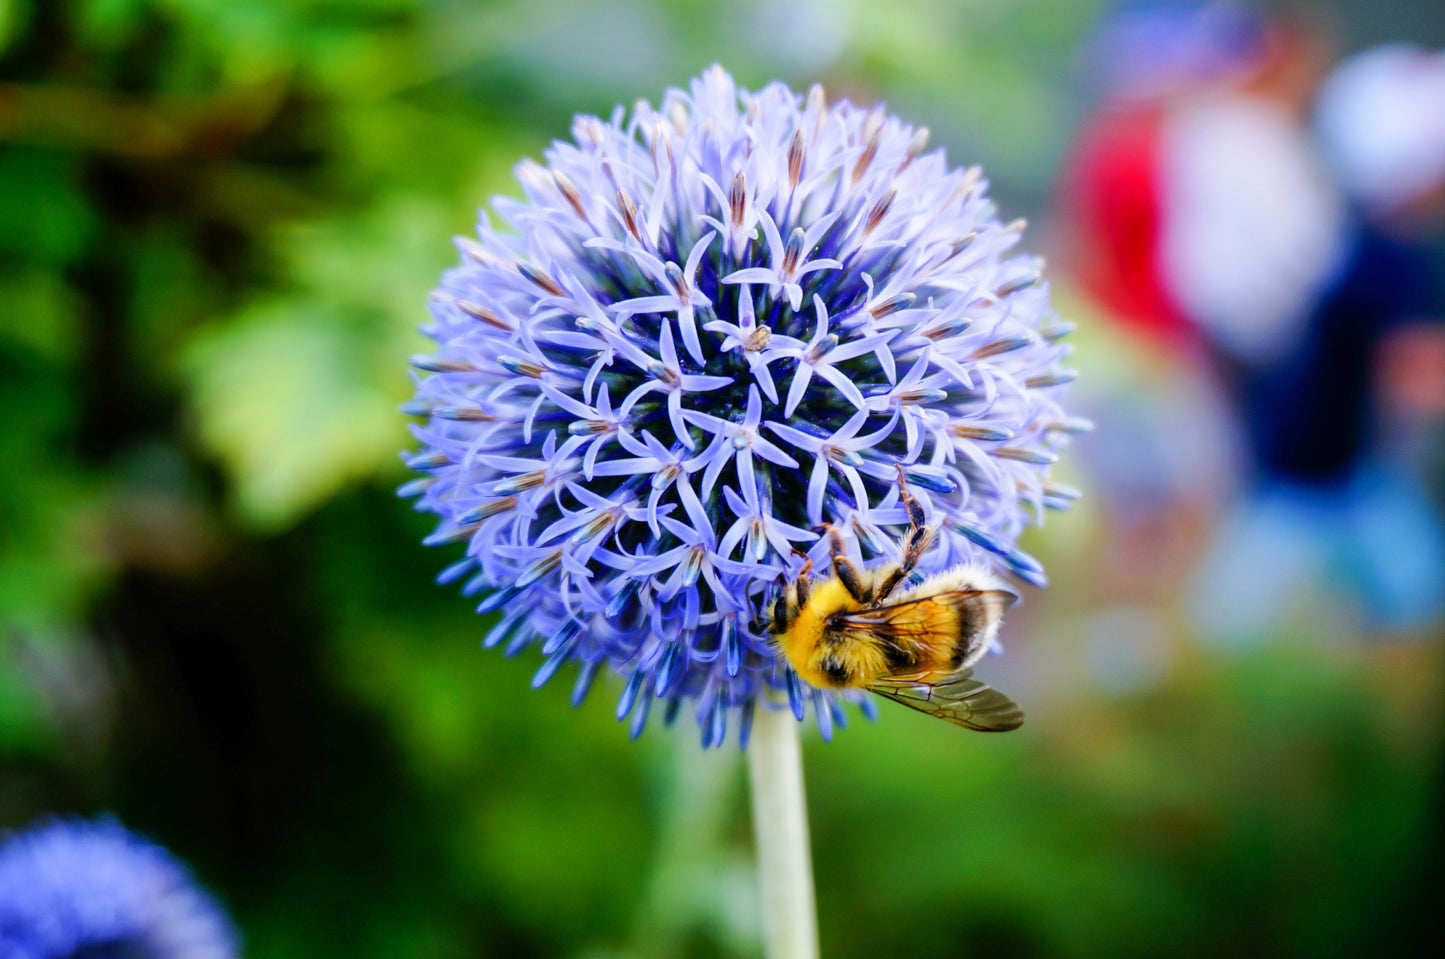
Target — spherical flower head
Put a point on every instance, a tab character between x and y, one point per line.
76	888
713	327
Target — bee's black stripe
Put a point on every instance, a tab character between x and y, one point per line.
894	651
836	670
968	627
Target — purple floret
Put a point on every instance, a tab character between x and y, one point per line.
75	888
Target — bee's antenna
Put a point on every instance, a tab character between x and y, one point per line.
754	614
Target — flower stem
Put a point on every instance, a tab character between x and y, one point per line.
780	826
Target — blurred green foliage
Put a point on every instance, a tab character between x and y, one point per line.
219	221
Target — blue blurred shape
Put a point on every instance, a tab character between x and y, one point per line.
76	888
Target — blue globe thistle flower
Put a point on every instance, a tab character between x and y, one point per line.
73	888
712	327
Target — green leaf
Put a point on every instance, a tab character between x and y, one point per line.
284	398
45	216
13	17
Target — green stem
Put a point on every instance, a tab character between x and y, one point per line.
780	826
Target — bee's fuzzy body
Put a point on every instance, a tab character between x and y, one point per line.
887	629
934	628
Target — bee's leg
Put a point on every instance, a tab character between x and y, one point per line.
844	569
800	586
911	505
915	541
890	582
806	569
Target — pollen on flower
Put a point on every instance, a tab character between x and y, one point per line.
708	328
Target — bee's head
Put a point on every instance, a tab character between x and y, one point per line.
774	614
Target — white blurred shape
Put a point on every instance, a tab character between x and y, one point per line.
1381	116
1255	231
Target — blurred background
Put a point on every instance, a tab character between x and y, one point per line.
219	222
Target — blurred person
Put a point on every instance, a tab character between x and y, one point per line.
1165	456
1320	305
1145	58
1256	230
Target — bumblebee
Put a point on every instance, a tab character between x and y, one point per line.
881	629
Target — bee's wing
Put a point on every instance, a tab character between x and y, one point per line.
929	620
960	699
914	614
